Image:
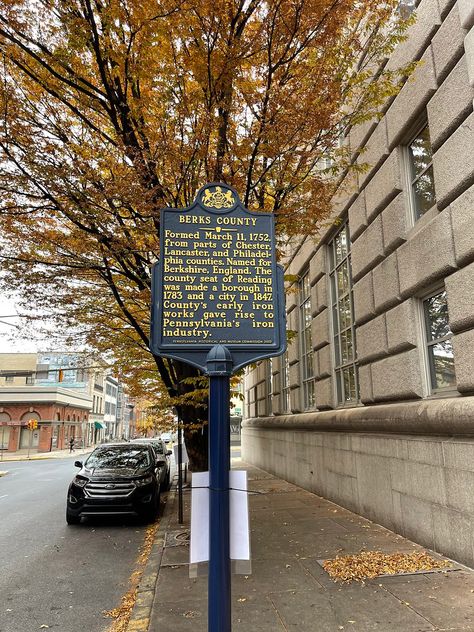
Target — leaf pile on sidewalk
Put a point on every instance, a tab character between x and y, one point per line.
370	564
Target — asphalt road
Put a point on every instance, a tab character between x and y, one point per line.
51	574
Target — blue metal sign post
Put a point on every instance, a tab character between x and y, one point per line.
219	604
218	304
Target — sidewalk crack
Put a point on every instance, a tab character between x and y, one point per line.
408	605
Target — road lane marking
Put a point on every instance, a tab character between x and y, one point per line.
4	496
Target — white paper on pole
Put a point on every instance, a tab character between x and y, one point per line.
199	547
239	517
184	454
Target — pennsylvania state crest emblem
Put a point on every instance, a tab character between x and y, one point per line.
218	198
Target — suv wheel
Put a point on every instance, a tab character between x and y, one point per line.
72	518
152	512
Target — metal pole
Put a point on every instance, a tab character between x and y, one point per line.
3	439
219	604
180	473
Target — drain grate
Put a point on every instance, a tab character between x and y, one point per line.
178	538
450	567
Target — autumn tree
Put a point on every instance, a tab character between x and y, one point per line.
113	109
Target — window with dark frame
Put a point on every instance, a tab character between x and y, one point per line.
285	383
345	355
406	8
438	341
307	354
269	386
420	156
252	402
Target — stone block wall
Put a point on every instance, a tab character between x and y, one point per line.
397	261
418	486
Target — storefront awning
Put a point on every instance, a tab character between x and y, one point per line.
99	425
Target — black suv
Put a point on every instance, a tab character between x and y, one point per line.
162	453
117	479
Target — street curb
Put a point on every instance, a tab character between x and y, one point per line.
141	612
47	456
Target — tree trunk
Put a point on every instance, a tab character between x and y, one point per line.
194	420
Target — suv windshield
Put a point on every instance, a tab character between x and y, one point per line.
156	443
119	456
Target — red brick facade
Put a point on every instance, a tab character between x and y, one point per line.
57	424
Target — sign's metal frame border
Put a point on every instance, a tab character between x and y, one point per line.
196	354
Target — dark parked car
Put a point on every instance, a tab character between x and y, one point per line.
117	479
162	453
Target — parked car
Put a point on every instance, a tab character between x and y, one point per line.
163	454
166	437
117	479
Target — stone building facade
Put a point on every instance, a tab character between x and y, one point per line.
372	405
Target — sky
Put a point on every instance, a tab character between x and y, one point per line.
11	340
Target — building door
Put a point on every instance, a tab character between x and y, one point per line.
4	437
4	431
54	438
25	438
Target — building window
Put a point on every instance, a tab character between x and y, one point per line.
406	8
438	341
307	355
252	402
9	379
285	383
345	356
420	158
269	386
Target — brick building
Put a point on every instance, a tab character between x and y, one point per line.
64	391
61	415
372	405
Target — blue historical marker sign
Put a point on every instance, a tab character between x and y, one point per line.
217	282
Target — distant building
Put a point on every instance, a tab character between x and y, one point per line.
110	411
97	427
124	413
372	405
61	415
65	392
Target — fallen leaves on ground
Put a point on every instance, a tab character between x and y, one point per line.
370	564
121	614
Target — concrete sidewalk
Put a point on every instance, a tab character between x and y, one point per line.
291	529
22	455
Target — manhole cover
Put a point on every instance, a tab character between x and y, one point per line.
178	538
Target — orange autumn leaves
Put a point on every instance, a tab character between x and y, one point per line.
112	110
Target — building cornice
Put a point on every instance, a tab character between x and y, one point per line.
449	416
44	395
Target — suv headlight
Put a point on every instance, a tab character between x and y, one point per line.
79	481
144	481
